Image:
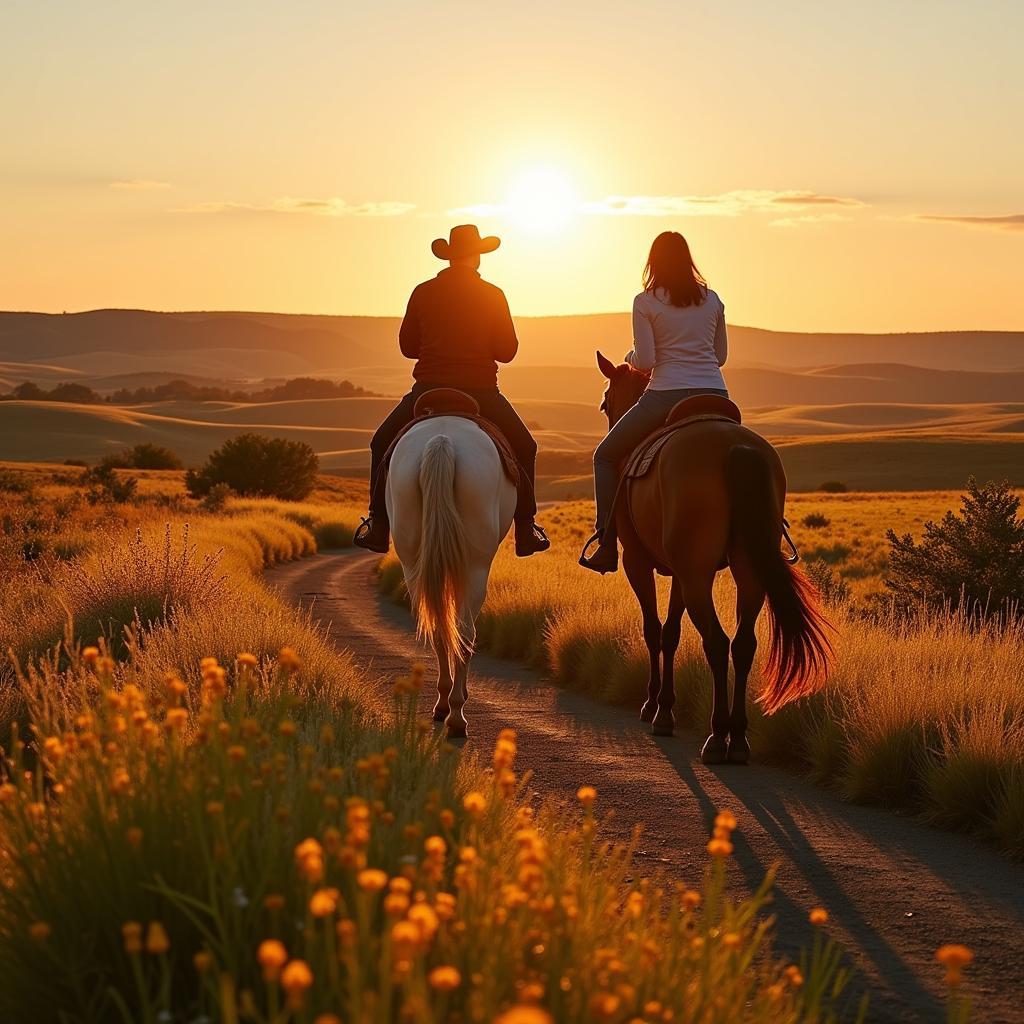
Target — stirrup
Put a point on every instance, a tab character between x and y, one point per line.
585	559
364	527
794	556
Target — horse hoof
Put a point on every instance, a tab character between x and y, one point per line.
738	751
440	716
457	732
715	750
647	712
661	729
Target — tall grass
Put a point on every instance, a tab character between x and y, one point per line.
244	849
926	715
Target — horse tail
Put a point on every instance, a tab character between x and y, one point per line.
800	652
436	580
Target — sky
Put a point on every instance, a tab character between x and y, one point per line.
835	166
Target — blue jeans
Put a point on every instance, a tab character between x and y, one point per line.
643	419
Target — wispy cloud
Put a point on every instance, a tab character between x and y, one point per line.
328	207
1005	222
723	204
810	218
139	184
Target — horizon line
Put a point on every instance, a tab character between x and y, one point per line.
525	316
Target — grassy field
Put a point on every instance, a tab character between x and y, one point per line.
924	716
211	821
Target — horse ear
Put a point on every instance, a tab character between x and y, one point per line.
606	366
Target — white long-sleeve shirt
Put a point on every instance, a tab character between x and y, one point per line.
683	346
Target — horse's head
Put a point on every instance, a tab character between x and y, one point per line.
625	386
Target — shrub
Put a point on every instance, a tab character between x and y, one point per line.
816	521
975	557
832	587
104	484
216	498
833	487
254	465
153	456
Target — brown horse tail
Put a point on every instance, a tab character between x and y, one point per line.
800	652
437	576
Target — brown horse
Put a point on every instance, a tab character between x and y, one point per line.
715	497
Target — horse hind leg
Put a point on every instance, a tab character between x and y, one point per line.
701	606
640	574
664	720
476	590
750	598
445	684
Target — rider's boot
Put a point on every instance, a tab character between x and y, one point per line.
606	557
373	534
530	538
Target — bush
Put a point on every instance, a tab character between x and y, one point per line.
975	558
816	521
104	484
153	456
259	466
216	498
832	587
833	487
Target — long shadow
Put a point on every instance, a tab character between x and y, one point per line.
898	993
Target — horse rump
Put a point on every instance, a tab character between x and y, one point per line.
800	652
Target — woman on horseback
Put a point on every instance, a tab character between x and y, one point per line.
679	337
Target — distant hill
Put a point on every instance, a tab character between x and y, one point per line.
117	341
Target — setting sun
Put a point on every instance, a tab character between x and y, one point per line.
542	199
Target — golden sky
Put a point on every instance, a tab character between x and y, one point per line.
835	166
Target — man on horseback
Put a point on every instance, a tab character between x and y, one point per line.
458	328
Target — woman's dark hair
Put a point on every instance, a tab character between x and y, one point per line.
670	266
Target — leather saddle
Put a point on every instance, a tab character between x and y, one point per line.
698	409
453	402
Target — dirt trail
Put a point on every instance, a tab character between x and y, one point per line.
895	890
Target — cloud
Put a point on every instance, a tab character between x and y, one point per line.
724	204
328	207
810	218
1006	222
138	184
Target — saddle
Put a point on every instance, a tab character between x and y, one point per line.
698	409
452	402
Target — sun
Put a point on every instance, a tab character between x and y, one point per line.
541	200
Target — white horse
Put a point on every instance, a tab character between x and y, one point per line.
450	505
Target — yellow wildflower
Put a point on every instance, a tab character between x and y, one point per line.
732	940
720	848
272	956
586	796
435	847
818	916
203	961
954	957
475	804
372	879
132	933
157	941
296	978
247	661
323	902
39	931
288	660
90	655
273	901
524	1014
444	979
425	918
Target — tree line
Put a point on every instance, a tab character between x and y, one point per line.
295	389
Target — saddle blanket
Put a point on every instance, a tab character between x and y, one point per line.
644	455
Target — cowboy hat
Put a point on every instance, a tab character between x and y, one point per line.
463	240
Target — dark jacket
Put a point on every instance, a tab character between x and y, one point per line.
458	328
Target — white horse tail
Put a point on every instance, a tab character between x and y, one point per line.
436	582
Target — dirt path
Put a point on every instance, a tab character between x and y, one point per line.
895	890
